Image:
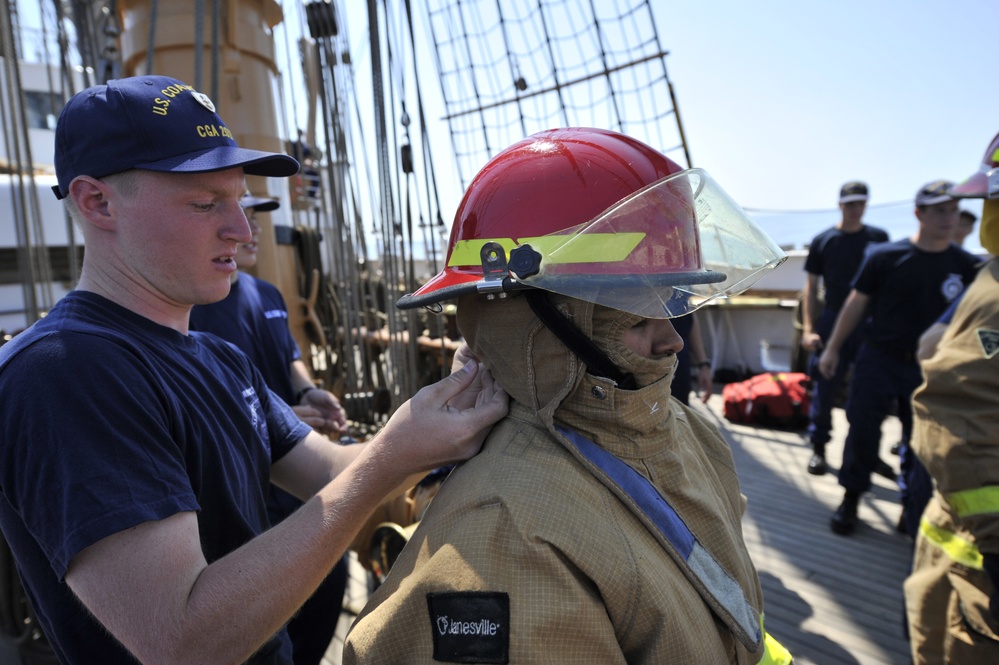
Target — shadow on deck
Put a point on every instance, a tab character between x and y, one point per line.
831	600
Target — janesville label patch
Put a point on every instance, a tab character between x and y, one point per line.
470	626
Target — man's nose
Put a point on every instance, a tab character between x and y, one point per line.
666	340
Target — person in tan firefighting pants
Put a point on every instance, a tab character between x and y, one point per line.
601	521
951	596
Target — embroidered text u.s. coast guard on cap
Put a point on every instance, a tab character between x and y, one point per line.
155	123
470	626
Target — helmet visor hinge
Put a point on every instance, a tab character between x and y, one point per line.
494	270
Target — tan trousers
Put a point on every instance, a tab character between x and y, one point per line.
948	611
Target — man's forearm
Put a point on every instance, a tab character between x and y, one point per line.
153	589
848	320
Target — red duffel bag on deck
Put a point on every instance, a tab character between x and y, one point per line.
777	399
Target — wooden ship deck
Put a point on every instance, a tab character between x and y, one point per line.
831	600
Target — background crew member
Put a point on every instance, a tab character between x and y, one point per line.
903	286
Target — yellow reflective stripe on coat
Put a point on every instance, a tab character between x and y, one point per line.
979	501
774	652
956	548
583	248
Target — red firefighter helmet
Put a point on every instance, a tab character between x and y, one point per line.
596	215
984	183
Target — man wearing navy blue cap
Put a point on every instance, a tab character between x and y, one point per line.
901	288
135	455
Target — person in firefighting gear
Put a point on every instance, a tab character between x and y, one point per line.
951	595
601	521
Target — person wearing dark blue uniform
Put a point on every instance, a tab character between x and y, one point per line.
690	356
965	228
902	288
833	257
914	481
135	455
254	317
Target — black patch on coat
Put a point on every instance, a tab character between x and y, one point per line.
470	626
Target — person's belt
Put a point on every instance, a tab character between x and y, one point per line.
894	352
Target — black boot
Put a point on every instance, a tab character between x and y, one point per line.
844	520
817	464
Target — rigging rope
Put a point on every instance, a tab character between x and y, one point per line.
151	41
509	68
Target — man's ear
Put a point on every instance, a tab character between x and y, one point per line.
93	199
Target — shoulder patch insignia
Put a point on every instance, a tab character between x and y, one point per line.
989	339
470	626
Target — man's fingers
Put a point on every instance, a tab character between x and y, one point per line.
445	390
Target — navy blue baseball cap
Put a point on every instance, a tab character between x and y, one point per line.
155	123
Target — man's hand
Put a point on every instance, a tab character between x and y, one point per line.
704	386
828	362
462	357
445	422
811	341
321	410
468	398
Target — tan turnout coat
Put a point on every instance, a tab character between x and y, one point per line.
956	435
586	580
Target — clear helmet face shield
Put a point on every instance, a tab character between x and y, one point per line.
662	252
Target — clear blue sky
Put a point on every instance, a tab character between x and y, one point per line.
783	100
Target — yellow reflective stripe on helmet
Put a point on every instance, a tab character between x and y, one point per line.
979	501
468	252
956	548
584	248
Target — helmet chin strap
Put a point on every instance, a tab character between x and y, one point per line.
595	360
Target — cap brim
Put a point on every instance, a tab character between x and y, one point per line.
259	204
853	197
253	162
934	200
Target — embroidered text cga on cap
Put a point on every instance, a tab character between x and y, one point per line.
155	123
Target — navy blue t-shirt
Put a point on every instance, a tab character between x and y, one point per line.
836	255
110	420
909	289
254	317
682	383
948	316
